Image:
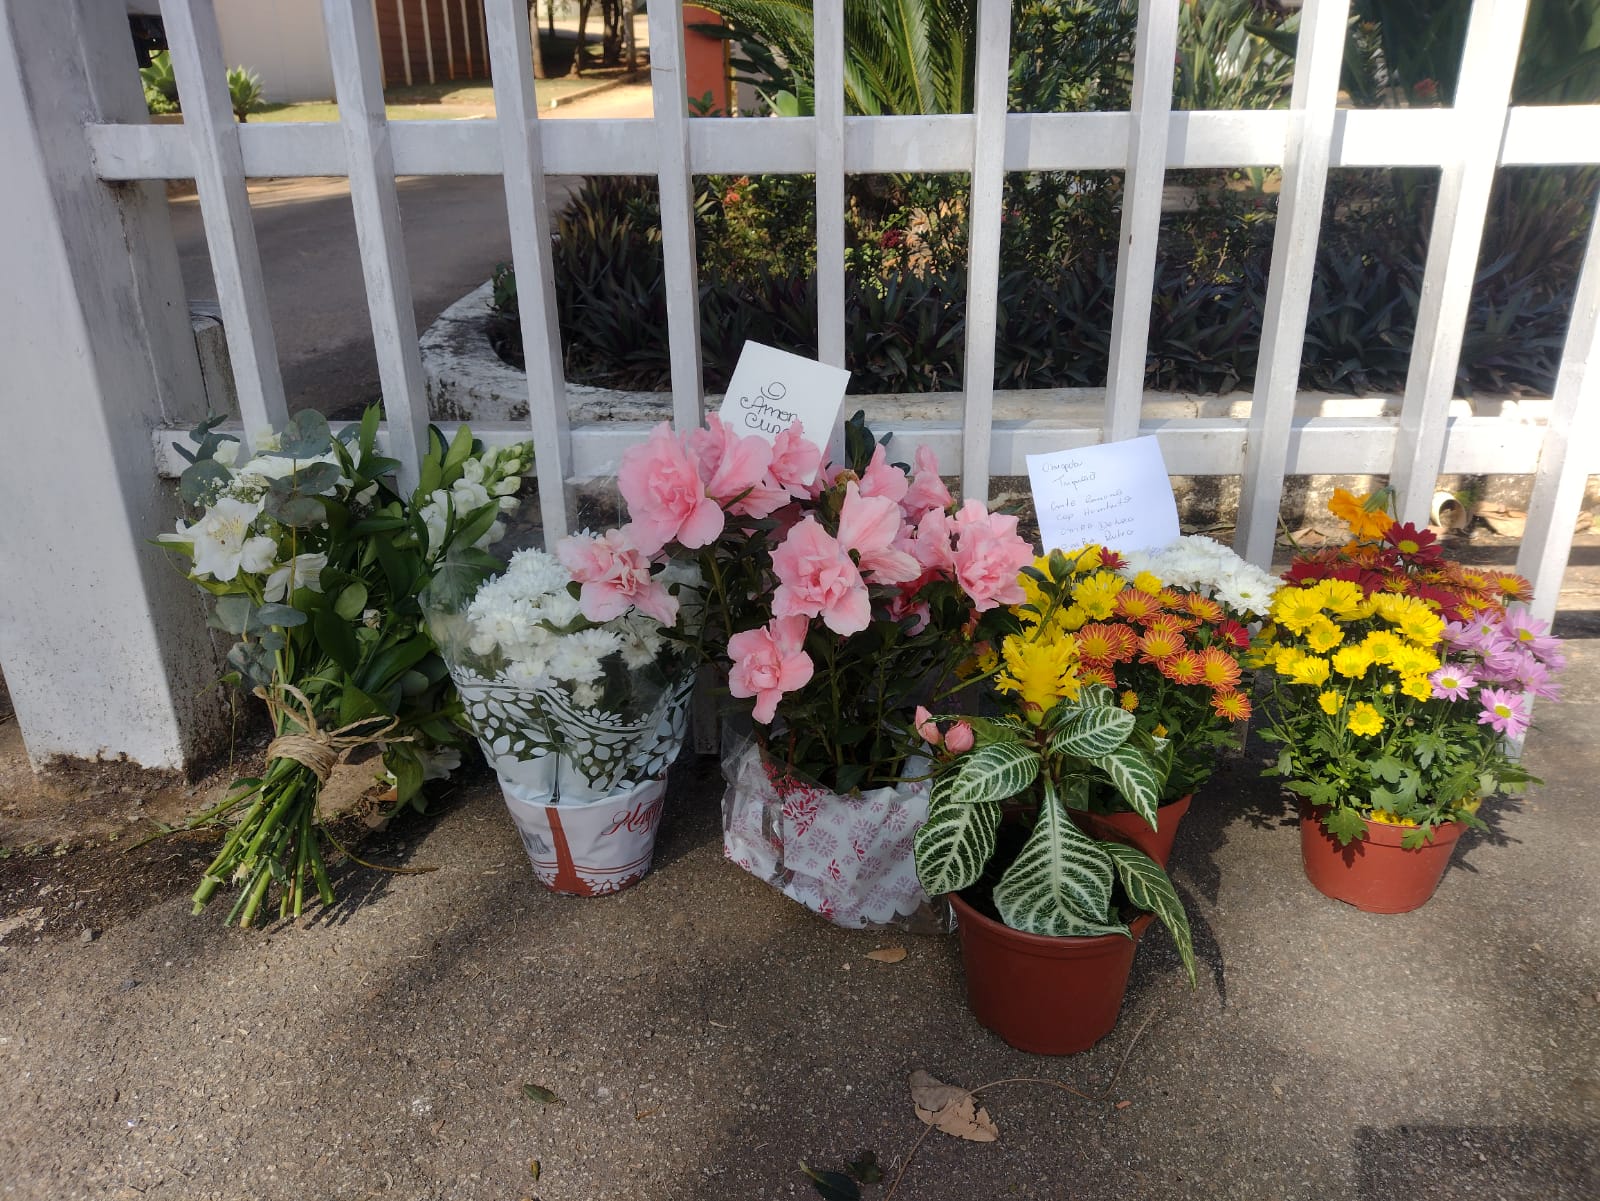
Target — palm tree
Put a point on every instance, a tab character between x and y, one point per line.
901	56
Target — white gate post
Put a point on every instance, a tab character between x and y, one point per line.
102	641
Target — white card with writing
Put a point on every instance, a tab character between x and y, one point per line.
771	389
1116	494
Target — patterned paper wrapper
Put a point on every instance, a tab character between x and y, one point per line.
847	858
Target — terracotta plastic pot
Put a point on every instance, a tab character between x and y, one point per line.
1375	874
1133	830
1050	996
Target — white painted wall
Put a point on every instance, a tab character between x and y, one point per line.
283	42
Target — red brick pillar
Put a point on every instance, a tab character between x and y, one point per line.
705	61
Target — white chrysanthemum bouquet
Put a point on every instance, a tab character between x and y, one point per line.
315	562
1195	563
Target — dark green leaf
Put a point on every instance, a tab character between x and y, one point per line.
282	616
300	512
199	483
1151	889
352	601
834	1186
304	437
337	639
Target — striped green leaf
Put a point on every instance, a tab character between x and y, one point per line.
993	773
1060	883
1092	732
1137	778
1151	889
955	842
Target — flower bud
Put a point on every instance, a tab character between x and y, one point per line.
959	738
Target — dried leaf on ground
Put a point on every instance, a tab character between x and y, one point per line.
951	1109
834	1186
887	954
542	1095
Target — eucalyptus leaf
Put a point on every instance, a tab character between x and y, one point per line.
300	512
1150	888
252	661
232	614
1060	883
280	616
304	437
200	481
315	477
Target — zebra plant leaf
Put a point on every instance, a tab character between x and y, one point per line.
956	842
1060	883
1092	732
993	773
1137	778
1151	889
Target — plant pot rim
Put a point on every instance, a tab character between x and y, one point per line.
966	912
1186	799
1387	833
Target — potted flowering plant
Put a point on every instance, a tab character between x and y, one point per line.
1401	683
1166	634
835	598
580	716
1049	915
315	563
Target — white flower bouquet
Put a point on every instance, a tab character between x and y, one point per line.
315	564
579	718
1195	563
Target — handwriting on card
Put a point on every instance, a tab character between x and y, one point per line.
772	389
1117	494
764	412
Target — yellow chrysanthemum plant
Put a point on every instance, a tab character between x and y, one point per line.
999	826
1397	677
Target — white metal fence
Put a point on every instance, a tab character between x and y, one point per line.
1467	143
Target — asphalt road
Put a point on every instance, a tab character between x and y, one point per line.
455	233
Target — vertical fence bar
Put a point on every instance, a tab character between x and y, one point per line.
511	26
1483	93
1155	48
405	41
1319	55
669	93
353	52
1569	439
382	66
483	32
449	39
196	47
466	33
427	41
828	29
983	246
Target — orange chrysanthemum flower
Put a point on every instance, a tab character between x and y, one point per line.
1162	639
1100	642
1514	587
1364	523
1095	673
1219	668
1202	607
1133	605
1129	700
1234	706
1185	667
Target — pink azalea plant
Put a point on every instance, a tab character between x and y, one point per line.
835	596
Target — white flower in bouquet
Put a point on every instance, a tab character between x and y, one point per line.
302	571
222	540
1204	565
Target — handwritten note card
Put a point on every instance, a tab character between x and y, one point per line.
771	389
1117	494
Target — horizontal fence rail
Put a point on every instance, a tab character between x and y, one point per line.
1414	441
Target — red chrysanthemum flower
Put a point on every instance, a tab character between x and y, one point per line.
1234	634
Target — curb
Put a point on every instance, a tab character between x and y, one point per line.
633	76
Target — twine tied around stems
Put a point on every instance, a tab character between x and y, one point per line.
312	747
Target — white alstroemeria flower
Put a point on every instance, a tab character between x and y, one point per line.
371	618
222	543
227	453
302	571
364	497
439	764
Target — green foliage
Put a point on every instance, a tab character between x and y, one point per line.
1227	57
956	842
1060	883
160	84
244	91
995	772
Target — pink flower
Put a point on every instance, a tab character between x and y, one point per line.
615	576
1452	684
927	490
795	460
927	729
988	556
959	738
1522	628
735	469
904	604
816	578
882	479
932	546
666	496
769	662
1506	711
869	525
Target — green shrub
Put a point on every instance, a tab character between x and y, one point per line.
160	85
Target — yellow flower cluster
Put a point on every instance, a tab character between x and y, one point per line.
1332	637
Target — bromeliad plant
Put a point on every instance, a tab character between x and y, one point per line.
315	563
1400	679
